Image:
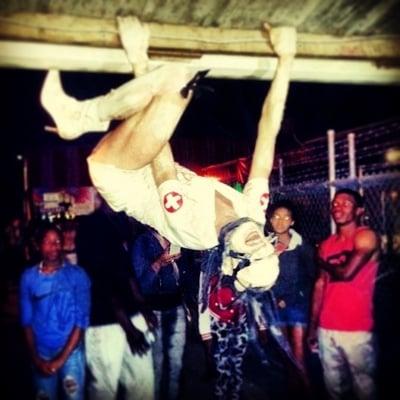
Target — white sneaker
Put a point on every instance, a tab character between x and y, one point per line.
72	117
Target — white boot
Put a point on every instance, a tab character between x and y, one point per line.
72	117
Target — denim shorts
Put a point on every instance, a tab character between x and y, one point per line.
292	316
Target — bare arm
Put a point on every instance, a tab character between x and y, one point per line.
345	266
144	309
135	338
316	305
49	367
283	41
30	341
72	342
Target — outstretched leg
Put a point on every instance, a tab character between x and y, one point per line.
139	139
74	118
163	165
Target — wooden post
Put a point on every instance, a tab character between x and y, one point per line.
190	40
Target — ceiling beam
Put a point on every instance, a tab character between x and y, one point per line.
17	54
189	40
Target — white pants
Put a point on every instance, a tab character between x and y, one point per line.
348	361
111	362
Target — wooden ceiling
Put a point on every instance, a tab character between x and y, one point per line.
323	17
356	41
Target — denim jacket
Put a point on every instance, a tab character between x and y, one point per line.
161	289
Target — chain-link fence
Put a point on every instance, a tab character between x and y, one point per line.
302	177
382	202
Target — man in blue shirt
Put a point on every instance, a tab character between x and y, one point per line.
55	303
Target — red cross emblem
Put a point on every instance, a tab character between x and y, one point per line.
173	201
264	200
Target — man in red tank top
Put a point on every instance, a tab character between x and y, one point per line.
342	323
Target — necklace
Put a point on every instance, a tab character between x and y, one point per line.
44	271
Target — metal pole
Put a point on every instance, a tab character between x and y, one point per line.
280	164
360	179
332	170
352	155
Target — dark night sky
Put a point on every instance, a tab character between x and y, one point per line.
228	114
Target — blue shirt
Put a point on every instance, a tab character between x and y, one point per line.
54	304
145	251
163	289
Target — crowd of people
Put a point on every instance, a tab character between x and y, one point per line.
116	320
105	305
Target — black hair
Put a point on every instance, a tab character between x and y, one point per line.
282	204
42	231
359	200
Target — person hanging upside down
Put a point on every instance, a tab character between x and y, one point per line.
133	168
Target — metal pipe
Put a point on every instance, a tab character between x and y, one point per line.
280	165
332	170
352	155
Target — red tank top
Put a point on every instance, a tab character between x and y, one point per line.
348	306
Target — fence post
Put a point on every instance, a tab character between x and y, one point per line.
360	180
332	170
352	155
280	165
